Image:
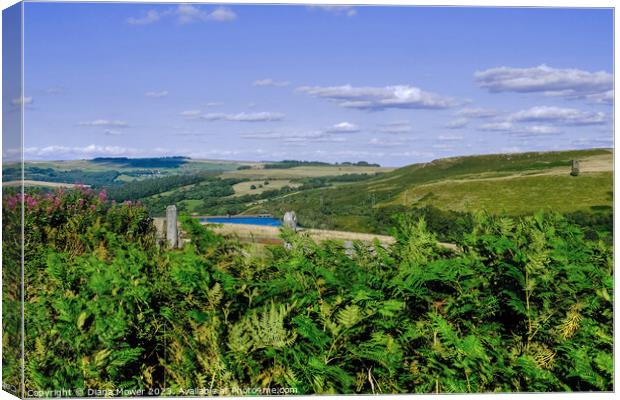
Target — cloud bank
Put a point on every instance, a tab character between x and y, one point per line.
270	82
379	98
244	117
569	83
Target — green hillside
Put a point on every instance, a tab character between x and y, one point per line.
513	184
358	198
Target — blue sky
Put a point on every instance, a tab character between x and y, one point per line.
393	85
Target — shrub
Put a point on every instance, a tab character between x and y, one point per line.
525	304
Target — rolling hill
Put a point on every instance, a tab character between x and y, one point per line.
511	184
357	198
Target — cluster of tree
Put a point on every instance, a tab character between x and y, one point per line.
359	164
147	187
91	178
238	204
142	172
210	191
525	305
294	163
148	162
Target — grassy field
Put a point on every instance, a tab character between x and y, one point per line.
515	195
192	205
505	183
244	188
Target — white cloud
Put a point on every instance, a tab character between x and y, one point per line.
304	140
270	82
503	126
191	113
544	120
105	123
111	132
343	127
380	98
262	135
347	11
222	14
22	100
162	93
559	116
477	113
509	127
195	114
569	83
148	18
457	123
540	129
57	152
603	97
304	137
293	136
185	14
590	142
244	117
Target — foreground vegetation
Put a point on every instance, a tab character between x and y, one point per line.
525	305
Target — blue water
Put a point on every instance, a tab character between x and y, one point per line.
267	221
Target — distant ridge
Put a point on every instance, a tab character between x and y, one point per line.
147	162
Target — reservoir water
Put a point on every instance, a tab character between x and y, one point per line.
262	221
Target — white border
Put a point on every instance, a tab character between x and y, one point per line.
480	3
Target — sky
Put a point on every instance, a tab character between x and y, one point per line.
388	85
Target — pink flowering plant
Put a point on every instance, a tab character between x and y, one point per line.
80	252
77	219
